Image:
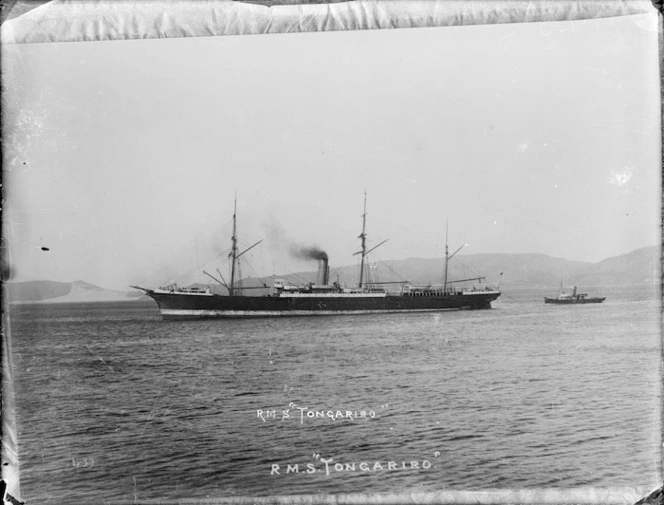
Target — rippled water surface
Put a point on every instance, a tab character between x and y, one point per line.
115	405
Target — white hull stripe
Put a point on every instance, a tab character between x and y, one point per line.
332	295
272	313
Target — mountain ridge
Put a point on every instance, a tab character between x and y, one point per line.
640	266
65	292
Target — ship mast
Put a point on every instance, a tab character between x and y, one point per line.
448	257
363	237
235	256
233	253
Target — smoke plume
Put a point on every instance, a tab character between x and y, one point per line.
281	241
307	252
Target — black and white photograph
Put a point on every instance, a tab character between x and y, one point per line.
345	252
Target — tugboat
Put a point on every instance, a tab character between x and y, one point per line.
573	298
320	298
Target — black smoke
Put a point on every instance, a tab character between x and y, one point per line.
307	252
280	240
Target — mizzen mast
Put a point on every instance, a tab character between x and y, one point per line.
363	237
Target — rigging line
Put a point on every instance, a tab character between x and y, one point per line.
181	271
296	277
393	271
508	296
255	274
469	267
182	252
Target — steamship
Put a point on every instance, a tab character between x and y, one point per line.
320	298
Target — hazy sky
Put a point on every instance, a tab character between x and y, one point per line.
123	157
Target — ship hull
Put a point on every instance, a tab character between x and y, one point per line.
556	301
183	306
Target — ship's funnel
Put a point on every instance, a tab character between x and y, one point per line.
323	272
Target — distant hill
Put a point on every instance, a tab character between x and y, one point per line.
65	292
639	266
34	291
507	270
516	269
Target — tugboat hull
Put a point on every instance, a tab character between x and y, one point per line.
573	301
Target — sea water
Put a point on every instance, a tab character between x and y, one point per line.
115	405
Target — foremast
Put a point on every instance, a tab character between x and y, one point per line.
235	256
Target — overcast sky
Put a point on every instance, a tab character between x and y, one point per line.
124	157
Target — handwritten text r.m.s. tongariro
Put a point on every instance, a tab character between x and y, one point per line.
365	466
311	414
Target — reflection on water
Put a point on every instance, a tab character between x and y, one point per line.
114	403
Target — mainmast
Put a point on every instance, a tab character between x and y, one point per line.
363	236
233	254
